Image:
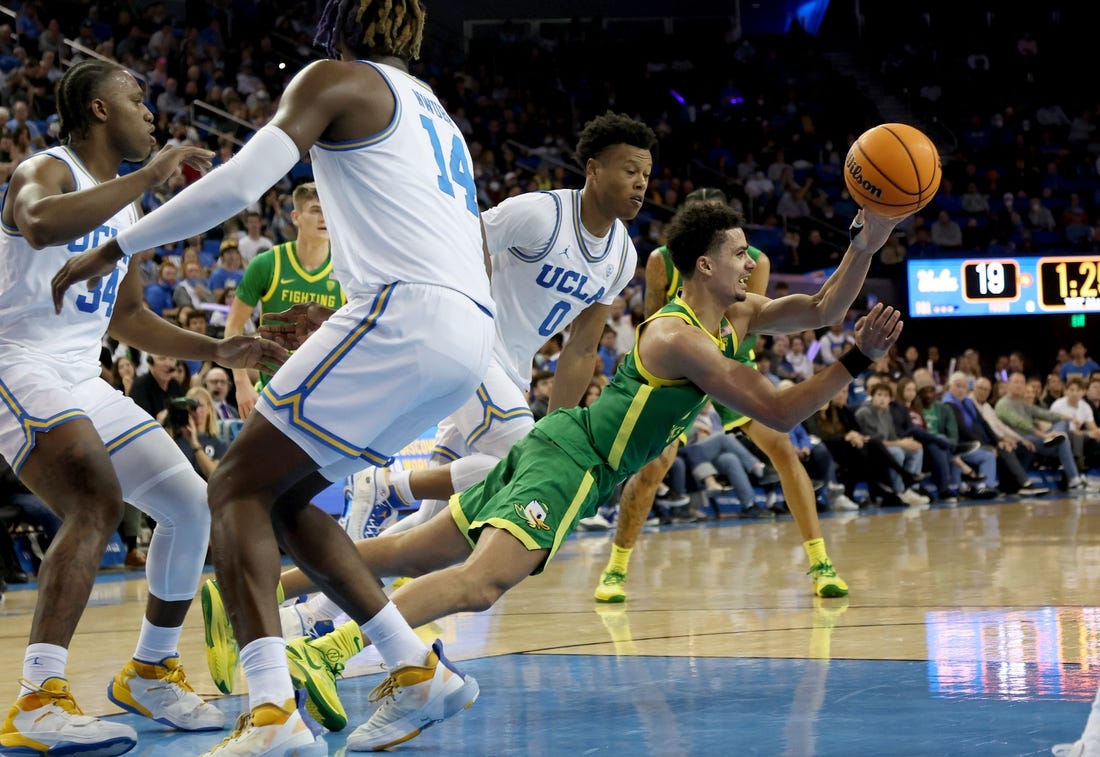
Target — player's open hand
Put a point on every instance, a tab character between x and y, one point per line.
870	231
877	331
292	327
251	352
90	266
165	163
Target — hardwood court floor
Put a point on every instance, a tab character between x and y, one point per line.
969	630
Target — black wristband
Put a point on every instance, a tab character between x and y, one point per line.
855	362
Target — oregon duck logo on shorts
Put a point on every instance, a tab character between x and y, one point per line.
534	514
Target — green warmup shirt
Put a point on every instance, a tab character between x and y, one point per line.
277	281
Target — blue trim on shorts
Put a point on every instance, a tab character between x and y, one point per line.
294	400
446	452
126	437
32	425
493	412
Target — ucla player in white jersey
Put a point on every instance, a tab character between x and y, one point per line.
410	346
78	443
558	258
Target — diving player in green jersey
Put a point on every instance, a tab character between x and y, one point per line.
510	525
284	276
662	279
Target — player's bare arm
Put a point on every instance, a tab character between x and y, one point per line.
656	282
674	349
574	370
291	327
136	325
829	304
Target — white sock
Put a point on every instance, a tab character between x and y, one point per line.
396	641
265	668
155	643
323	608
41	662
399	480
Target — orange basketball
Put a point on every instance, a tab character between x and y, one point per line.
893	169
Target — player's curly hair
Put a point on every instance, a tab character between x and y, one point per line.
372	28
75	92
613	129
694	229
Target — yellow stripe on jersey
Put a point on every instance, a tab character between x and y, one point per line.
626	428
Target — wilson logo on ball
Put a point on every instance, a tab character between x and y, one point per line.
855	171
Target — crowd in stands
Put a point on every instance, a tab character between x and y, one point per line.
745	114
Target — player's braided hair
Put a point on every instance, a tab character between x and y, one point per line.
694	229
372	27
75	92
613	129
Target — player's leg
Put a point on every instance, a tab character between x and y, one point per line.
634	507
87	496
799	493
158	480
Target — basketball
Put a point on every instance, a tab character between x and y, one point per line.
893	169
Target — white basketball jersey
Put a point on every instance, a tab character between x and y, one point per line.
27	319
546	269
402	205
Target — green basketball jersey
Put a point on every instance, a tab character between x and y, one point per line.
638	414
276	280
745	350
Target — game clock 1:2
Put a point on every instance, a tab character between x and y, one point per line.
1068	283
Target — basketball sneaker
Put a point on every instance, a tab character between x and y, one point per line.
315	664
271	730
48	721
371	506
826	582
160	691
413	698
1073	749
612	587
222	655
299	620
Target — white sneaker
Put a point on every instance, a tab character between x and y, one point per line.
844	503
413	698
596	523
913	498
1081	484
299	620
48	721
271	731
1076	749
370	507
160	691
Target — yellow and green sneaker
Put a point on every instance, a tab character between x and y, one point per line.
826	581
315	664
612	586
222	654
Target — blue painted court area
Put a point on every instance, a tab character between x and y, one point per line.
578	705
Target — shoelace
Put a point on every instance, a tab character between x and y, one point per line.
825	569
613	578
244	722
176	677
388	688
63	699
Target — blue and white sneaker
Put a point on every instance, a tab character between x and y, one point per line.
370	504
299	620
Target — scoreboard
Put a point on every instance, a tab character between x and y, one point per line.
956	287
